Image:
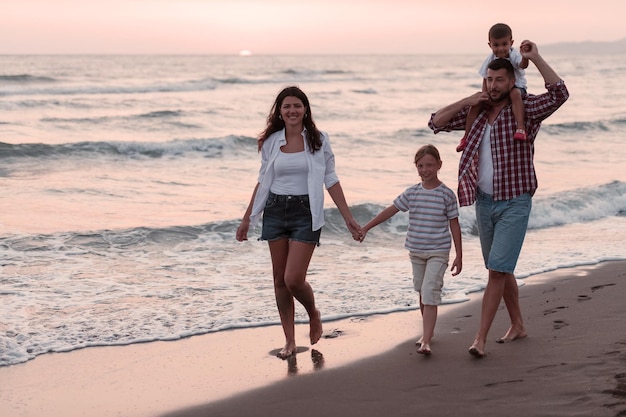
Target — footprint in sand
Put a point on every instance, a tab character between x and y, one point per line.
559	324
599	287
513	381
318	359
541	368
584	298
620	388
553	310
332	334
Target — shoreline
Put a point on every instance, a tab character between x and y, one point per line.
572	361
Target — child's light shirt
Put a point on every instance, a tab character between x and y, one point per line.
515	57
430	212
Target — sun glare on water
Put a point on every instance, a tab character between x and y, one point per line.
245	52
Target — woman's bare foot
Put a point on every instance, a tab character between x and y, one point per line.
512	334
477	349
315	325
286	352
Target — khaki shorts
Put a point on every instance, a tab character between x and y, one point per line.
428	271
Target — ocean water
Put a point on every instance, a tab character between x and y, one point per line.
123	179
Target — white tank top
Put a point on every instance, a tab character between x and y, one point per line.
291	173
485	162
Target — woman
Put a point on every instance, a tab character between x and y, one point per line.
296	163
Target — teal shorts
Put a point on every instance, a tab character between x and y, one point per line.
502	228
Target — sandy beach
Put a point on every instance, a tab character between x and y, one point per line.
573	363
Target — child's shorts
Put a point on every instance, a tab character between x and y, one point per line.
522	90
428	271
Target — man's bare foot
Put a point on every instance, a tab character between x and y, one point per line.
512	334
286	352
315	325
477	349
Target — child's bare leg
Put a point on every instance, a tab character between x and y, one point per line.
421	339
471	117
429	319
519	113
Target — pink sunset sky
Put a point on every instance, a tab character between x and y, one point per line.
295	26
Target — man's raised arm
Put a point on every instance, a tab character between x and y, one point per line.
530	51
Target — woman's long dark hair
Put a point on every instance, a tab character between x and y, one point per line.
275	123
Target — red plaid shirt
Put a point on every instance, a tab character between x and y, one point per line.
514	171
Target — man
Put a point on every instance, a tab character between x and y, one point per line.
498	174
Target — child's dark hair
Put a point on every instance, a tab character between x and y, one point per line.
427	150
499	31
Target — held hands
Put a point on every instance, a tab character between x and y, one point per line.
358	232
361	237
355	228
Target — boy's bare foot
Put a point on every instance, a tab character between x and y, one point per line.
286	352
477	349
512	334
424	349
419	342
315	325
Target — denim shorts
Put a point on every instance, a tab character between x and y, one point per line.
502	228
428	271
289	217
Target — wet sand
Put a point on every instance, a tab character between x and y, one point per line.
573	363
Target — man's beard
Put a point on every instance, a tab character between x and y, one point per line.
500	98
